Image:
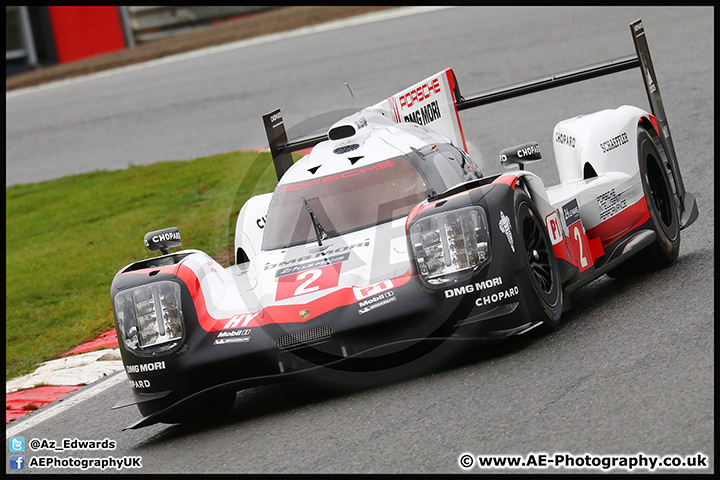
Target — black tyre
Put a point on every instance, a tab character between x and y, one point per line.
540	261
660	201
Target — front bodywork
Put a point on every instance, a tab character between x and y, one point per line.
372	318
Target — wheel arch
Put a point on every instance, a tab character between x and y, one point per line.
598	143
250	227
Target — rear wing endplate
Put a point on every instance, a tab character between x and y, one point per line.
687	203
281	148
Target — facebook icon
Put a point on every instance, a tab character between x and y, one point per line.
17	462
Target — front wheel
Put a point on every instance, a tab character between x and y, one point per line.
540	261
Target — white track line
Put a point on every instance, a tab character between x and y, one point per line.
323	27
59	406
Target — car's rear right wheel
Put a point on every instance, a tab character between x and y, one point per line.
660	201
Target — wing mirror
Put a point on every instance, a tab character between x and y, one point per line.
520	155
163	239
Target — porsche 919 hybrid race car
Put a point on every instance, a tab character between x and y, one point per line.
386	243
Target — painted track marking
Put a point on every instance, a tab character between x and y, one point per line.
58	407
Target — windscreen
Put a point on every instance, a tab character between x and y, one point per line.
343	202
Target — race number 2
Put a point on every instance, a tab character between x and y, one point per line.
579	237
308	281
577	243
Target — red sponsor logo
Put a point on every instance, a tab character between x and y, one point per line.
552	223
240	320
339	176
362	293
420	93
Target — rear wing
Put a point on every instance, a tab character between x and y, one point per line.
281	147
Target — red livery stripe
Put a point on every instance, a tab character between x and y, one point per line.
451	82
653	120
596	247
508	180
617	225
271	314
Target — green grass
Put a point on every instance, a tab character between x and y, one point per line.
67	238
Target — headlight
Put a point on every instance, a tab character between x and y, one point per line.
450	246
150	318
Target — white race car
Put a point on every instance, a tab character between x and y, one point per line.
386	247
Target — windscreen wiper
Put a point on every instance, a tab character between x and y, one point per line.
319	231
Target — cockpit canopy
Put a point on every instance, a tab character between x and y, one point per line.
364	196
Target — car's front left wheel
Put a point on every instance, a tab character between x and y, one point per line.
540	261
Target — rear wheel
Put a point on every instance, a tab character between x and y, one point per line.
660	201
540	261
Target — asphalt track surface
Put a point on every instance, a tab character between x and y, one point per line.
630	371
